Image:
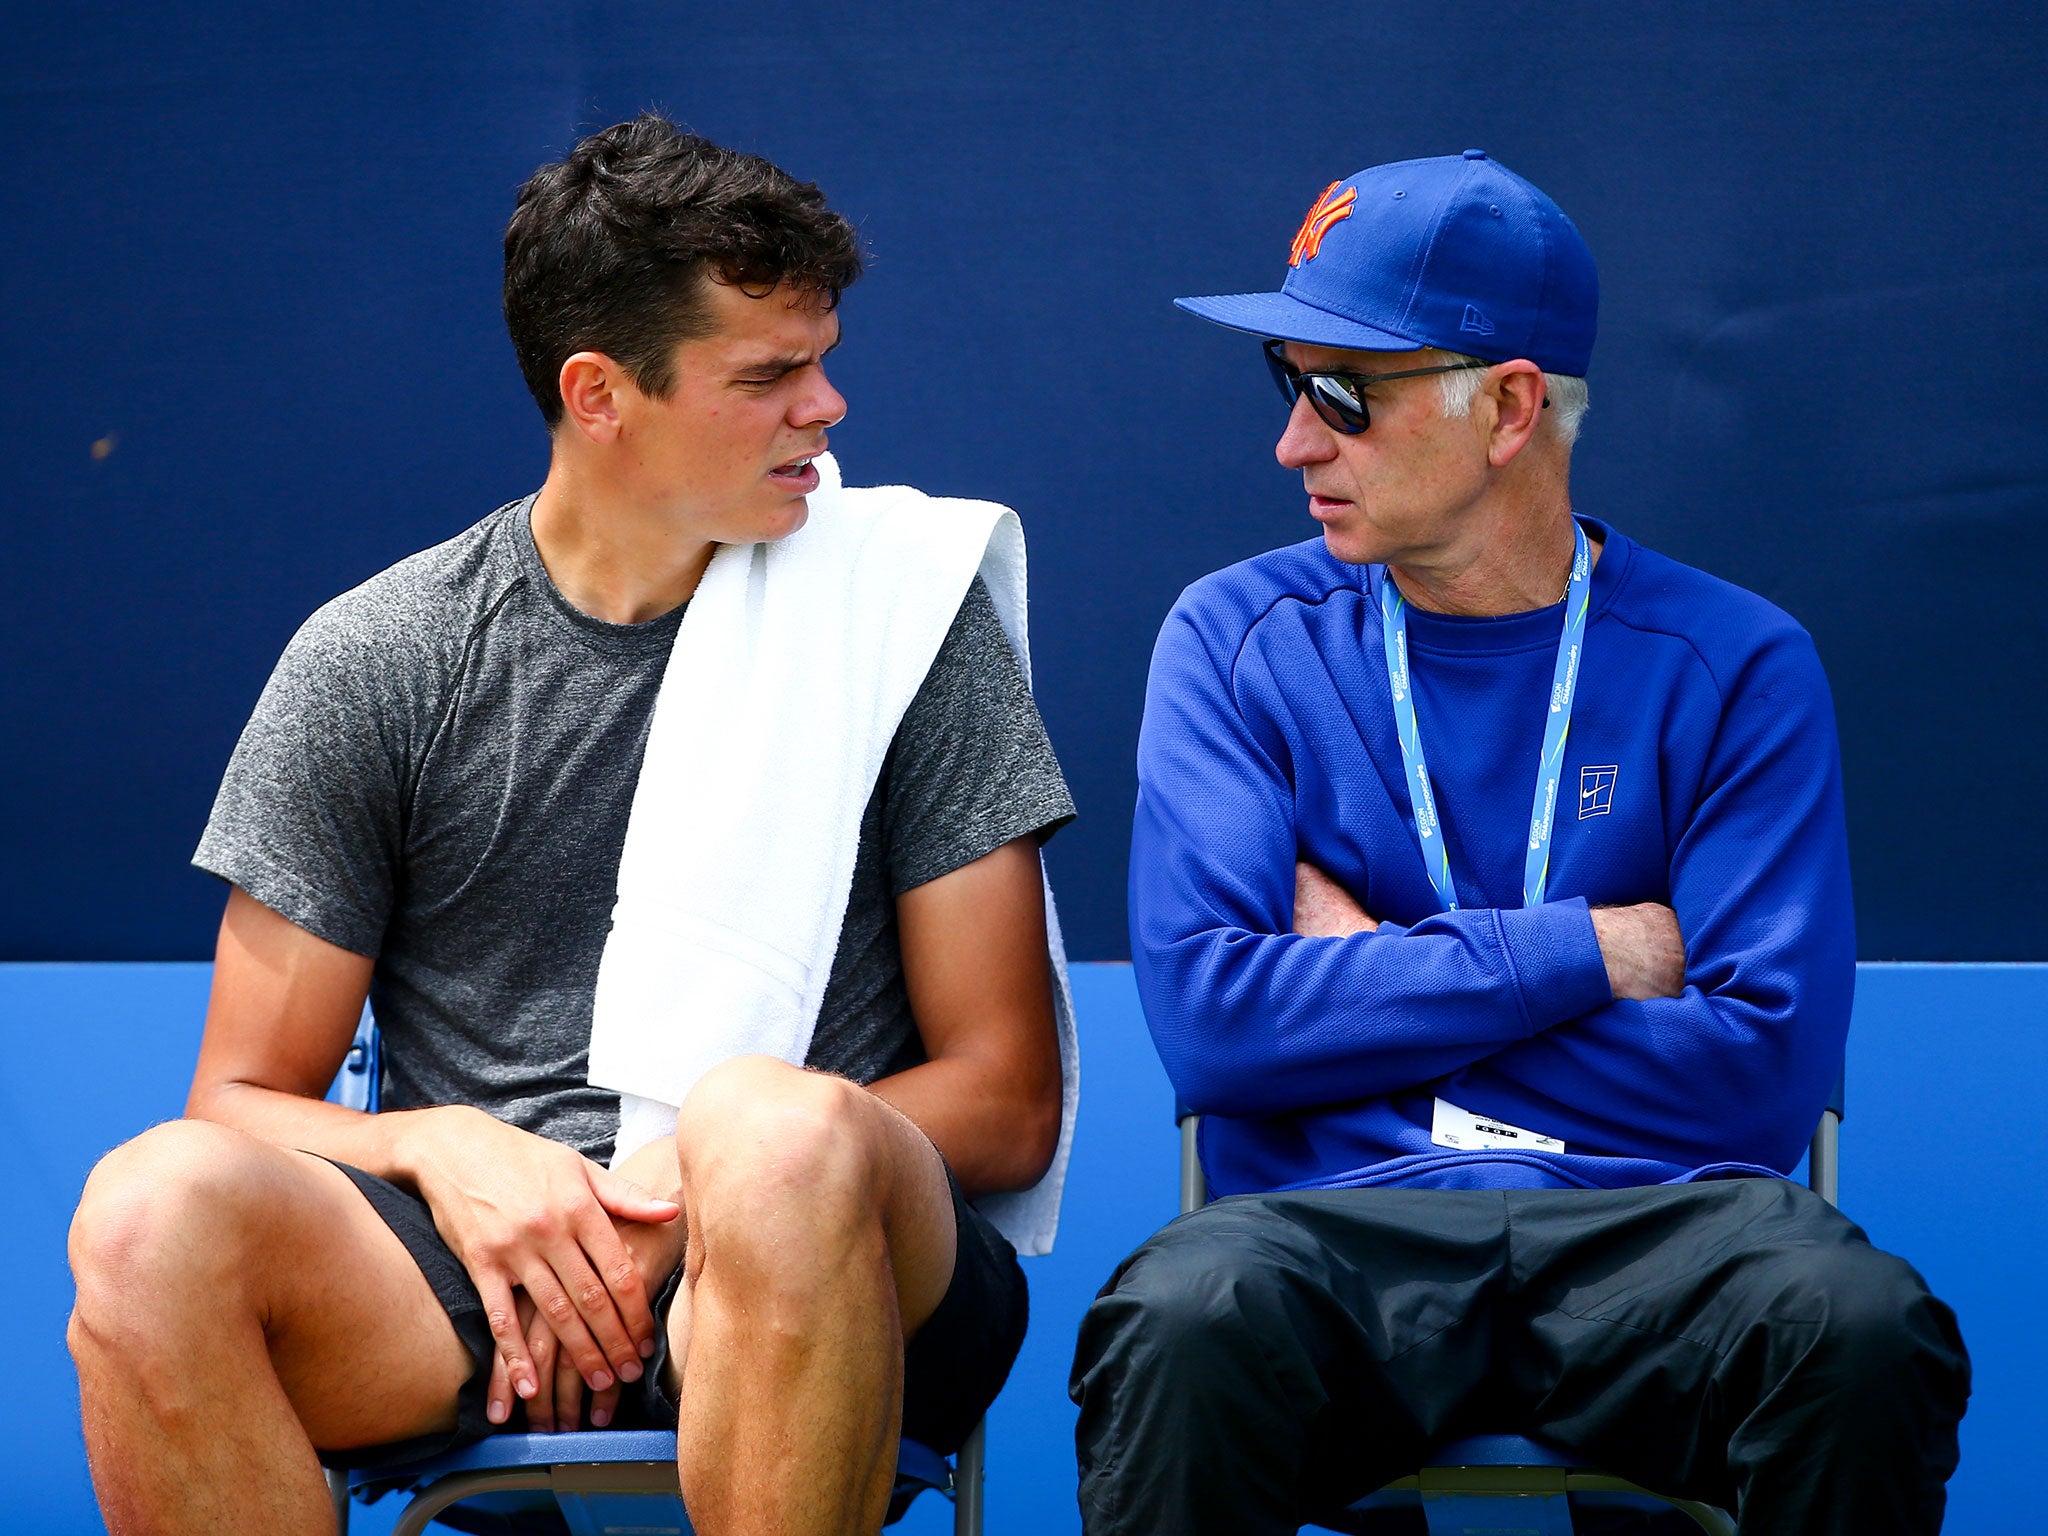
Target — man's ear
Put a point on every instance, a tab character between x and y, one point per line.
1518	395
589	382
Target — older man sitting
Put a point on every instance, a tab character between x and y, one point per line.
1499	1094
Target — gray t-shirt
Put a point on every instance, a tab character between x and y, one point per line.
439	775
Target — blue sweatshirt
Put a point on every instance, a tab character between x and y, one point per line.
1703	763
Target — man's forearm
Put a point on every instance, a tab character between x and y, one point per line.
1253	1023
994	1133
1643	950
394	1145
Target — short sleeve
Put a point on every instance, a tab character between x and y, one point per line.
308	817
970	768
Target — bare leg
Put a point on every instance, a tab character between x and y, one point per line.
821	1235
237	1305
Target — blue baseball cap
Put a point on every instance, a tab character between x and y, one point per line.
1455	252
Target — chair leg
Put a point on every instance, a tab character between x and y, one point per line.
967	1470
1714	1522
453	1490
1824	1159
1194	1187
337	1490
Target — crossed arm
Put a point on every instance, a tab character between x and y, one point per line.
560	1248
1641	944
1269	996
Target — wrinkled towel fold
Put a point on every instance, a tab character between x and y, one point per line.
792	668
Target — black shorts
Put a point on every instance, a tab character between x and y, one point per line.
953	1366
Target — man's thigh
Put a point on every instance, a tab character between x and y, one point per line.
1699	1264
362	1346
1289	1352
1661	1320
917	1213
420	1363
956	1363
1386	1300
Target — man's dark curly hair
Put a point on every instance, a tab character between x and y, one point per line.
608	249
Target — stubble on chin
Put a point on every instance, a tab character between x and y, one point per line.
1350	550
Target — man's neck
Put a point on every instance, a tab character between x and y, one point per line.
609	557
1508	569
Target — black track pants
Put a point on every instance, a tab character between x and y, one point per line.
1741	1343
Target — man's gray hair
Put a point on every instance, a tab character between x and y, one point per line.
1568	396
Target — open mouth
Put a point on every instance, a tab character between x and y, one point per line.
798	476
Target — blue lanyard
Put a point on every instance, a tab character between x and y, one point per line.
1564	682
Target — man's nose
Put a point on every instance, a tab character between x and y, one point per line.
822	405
1307	440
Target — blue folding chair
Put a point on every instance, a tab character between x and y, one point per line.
1510	1485
592	1483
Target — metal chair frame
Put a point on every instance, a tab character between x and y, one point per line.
590	1473
1508	1482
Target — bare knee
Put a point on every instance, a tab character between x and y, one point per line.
772	1153
161	1222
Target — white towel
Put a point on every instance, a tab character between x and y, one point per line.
792	668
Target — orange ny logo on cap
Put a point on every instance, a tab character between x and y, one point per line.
1328	211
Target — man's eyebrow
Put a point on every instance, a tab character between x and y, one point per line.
788	362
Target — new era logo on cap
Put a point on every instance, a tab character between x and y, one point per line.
1454	251
1329	209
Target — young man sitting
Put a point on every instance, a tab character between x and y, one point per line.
428	807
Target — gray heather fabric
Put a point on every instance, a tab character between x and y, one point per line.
439	775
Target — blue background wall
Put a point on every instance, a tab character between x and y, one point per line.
251	253
97	1052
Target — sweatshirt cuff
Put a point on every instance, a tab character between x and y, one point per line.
1557	960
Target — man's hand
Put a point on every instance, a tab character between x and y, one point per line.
657	1251
558	1405
524	1212
1323	909
1644	951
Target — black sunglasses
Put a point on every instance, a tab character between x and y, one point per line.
1339	398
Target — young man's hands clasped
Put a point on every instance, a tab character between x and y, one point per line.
584	1248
